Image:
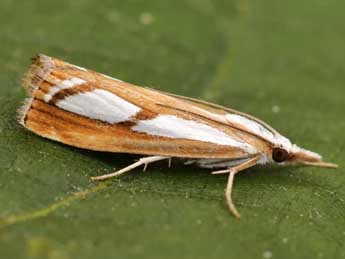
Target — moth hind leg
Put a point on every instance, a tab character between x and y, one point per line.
142	161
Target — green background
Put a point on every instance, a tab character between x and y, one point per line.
282	61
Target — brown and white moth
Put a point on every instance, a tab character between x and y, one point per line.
86	109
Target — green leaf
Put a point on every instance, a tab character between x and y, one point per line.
282	61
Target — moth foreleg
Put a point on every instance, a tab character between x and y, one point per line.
232	171
142	161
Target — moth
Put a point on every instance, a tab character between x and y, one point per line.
90	110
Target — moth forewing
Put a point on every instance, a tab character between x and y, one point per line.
86	109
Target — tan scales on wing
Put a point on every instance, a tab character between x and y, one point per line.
82	132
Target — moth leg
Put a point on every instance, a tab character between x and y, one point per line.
142	161
228	197
232	171
249	163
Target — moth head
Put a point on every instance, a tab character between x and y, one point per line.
295	155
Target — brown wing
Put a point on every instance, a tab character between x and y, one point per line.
216	109
46	119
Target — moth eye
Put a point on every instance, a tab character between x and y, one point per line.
279	155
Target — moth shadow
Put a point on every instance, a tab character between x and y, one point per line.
114	160
285	176
271	174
